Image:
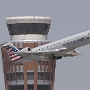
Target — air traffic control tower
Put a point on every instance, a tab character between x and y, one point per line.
28	31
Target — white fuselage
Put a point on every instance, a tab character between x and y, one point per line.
70	42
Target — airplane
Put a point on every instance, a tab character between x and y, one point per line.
53	50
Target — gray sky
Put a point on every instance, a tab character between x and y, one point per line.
68	17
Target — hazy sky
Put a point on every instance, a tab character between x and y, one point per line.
68	17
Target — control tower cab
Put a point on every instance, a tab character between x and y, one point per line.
28	27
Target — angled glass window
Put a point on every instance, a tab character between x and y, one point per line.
28	28
34	28
21	29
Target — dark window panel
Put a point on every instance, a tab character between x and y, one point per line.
14	29
30	87
47	75
40	75
12	76
43	87
20	76
34	28
30	75
28	28
40	28
7	76
17	87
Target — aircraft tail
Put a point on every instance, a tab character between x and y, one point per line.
9	48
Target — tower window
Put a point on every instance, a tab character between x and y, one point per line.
28	28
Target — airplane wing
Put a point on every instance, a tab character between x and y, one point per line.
72	53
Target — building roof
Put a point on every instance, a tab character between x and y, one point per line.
28	19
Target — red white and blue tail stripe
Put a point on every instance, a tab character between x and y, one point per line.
14	57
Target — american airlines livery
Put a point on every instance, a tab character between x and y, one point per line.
54	50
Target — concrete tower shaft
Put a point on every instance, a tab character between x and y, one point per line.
28	31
